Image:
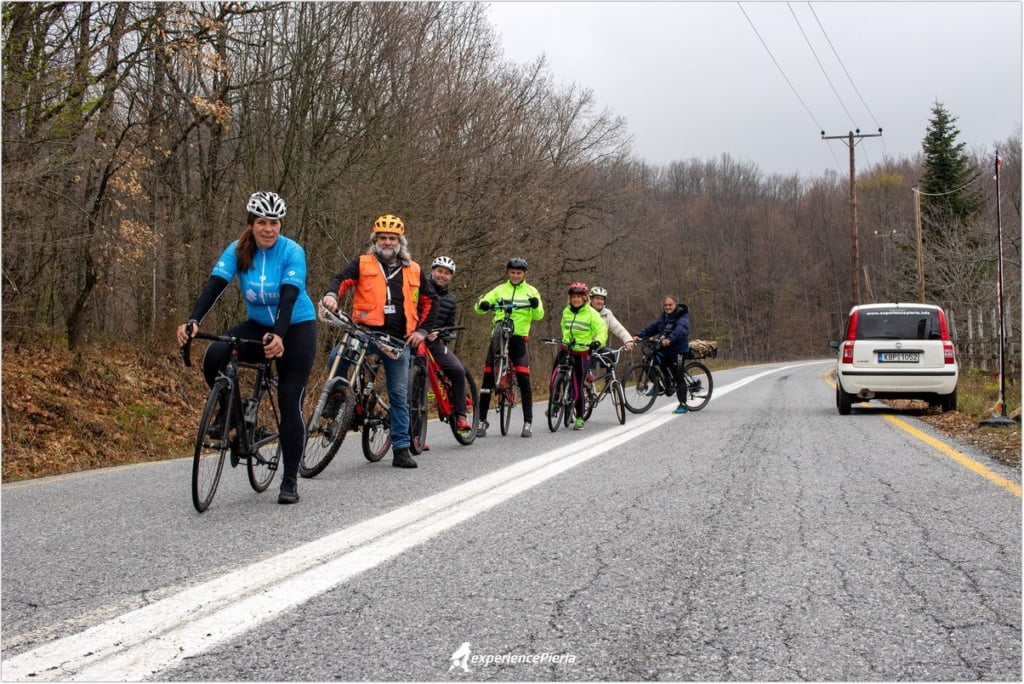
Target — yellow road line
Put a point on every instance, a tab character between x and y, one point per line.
965	461
962	459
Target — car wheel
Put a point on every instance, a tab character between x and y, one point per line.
948	402
844	401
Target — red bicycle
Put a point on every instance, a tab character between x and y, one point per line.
424	372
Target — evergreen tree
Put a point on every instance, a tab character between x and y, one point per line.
952	198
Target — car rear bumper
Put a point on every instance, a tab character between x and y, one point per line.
897	384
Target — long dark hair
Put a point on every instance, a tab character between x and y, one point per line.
245	251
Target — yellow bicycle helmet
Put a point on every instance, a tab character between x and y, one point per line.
389	224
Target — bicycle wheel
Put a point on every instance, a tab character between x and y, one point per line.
568	402
507	399
640	388
466	438
266	443
593	397
324	434
619	401
417	406
555	405
376	429
208	462
698	385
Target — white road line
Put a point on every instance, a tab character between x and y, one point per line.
146	641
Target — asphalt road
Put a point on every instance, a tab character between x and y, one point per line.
763	538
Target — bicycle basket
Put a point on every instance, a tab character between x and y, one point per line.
702	349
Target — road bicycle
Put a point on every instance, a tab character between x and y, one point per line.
606	385
505	384
230	427
424	373
353	400
561	391
645	380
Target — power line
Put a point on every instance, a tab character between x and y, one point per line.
838	59
779	67
820	65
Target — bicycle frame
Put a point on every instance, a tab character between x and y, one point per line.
562	391
241	428
363	408
505	384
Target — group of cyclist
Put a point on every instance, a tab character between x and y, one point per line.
393	295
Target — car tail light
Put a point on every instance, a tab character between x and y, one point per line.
848	352
851	331
944	329
947	352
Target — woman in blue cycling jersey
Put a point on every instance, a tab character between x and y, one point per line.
271	271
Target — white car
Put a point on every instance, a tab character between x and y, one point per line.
896	351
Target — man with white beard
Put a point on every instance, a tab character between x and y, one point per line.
392	295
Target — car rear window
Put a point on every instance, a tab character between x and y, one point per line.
898	324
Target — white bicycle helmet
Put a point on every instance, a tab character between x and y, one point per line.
446	262
598	292
266	204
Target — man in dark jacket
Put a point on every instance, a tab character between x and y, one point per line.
673	325
441	273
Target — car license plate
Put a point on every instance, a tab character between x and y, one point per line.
899	357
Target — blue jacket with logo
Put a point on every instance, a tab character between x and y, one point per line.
282	264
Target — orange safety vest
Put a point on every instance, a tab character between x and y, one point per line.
372	293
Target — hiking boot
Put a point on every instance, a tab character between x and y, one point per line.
578	425
481	430
289	490
402	459
527	431
681	408
462	425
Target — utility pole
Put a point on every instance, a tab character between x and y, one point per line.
851	140
920	245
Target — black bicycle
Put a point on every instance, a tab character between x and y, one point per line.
647	379
230	427
353	401
505	384
561	395
606	385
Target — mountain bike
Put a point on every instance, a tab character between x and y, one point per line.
505	384
608	383
561	393
424	372
244	430
647	379
353	400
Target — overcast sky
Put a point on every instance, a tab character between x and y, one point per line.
694	80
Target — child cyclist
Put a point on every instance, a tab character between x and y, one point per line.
583	331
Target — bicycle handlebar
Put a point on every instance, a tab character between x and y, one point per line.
230	340
387	344
510	305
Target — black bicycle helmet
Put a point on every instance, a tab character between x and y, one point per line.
516	262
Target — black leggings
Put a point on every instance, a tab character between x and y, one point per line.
292	375
521	360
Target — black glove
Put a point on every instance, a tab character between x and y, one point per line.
534	302
484	305
595	345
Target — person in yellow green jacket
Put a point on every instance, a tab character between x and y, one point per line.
583	331
521	293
